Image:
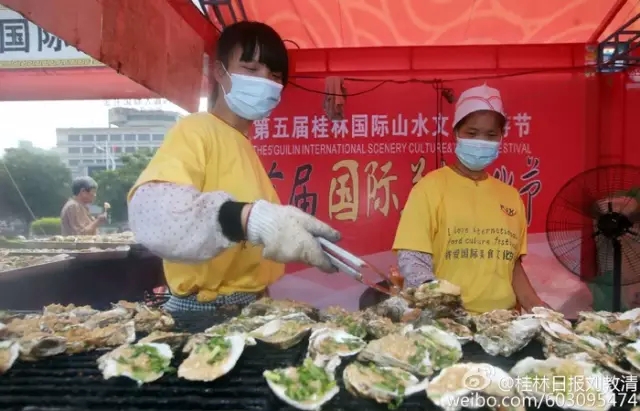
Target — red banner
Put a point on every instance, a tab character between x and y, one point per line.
356	173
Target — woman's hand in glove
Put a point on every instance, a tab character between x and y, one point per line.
288	234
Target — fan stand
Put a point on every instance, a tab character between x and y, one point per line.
613	225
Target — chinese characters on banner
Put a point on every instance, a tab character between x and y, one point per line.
25	45
362	169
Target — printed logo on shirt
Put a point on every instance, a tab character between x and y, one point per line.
508	211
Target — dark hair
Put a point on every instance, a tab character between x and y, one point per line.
252	35
502	121
80	184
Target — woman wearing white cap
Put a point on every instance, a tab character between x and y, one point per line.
462	225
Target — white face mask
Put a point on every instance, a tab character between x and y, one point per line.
252	98
476	154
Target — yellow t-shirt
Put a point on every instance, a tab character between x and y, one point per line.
203	151
475	233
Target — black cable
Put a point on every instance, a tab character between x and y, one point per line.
382	82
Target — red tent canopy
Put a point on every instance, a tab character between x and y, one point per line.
314	24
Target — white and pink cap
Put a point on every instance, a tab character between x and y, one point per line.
477	99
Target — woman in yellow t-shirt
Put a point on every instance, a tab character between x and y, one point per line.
206	205
462	225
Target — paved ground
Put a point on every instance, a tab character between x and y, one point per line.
555	285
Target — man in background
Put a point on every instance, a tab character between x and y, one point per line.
75	216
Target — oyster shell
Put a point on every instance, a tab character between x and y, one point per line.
173	340
327	343
39	345
104	318
461	332
9	353
627	325
212	357
3	330
17	327
240	325
355	323
82	339
381	326
548	314
598	328
506	339
632	354
151	319
444	348
382	384
59	322
268	306
82	312
142	363
406	352
284	332
306	387
495	317
393	308
472	381
578	379
439	297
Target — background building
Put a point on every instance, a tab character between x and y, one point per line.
86	150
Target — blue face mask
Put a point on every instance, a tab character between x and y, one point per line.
476	154
252	98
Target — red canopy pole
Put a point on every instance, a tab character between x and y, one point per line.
198	22
606	21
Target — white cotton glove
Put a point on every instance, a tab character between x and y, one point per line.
288	235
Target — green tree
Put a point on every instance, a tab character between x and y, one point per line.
35	177
114	185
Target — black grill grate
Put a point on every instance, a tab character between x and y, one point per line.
73	383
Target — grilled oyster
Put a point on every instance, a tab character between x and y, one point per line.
598	328
17	327
506	339
547	314
239	325
173	340
394	308
495	317
9	353
439	297
3	330
151	319
39	345
631	353
339	318
444	348
142	363
284	332
268	306
307	387
461	332
327	343
407	352
382	384
627	324
591	346
58	322
472	381
104	318
382	326
82	339
82	312
212	357
579	380
553	347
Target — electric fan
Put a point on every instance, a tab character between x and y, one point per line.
593	227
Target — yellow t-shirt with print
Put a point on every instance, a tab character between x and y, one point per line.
475	232
203	151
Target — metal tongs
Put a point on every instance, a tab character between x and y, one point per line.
354	267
